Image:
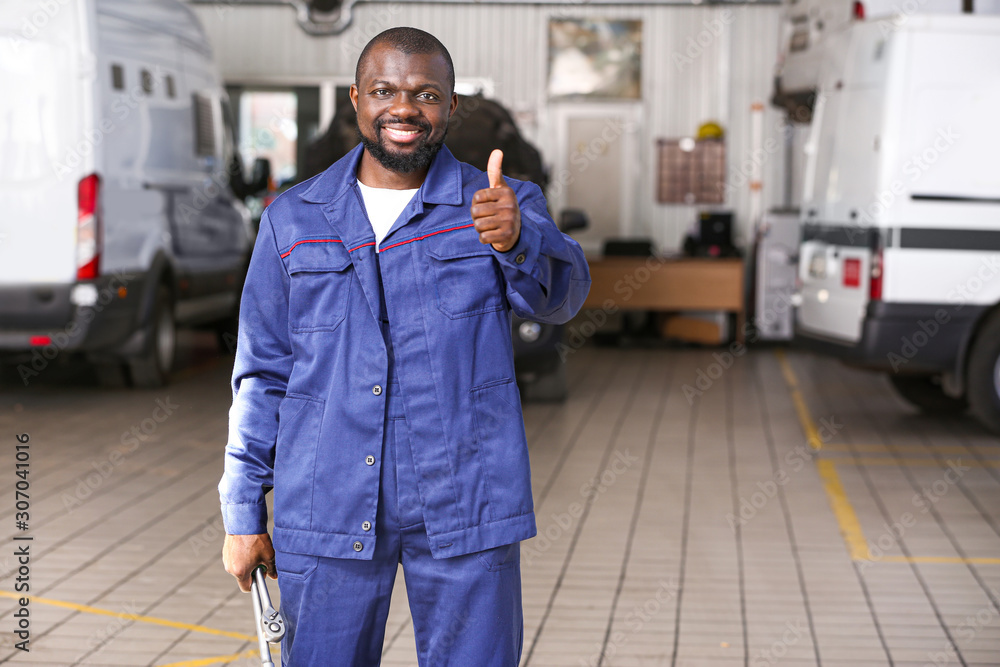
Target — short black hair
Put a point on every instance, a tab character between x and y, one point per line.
409	41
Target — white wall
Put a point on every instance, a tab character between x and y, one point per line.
699	64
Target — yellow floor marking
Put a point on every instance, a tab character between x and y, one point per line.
808	425
786	370
217	660
131	617
871	461
850	527
912	449
847	518
940	559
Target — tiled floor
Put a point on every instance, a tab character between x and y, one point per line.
692	510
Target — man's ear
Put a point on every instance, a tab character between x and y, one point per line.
354	96
454	104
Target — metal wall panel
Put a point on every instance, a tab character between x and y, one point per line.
699	64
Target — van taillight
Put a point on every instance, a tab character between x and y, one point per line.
88	228
878	273
859	11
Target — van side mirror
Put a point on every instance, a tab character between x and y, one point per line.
572	219
261	175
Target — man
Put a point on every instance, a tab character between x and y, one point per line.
373	385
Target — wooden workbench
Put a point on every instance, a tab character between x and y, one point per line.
654	283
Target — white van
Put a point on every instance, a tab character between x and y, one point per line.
899	261
806	26
118	220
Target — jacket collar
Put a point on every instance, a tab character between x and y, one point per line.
443	184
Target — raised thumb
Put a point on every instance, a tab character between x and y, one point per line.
493	168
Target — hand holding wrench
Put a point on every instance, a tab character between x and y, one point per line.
269	622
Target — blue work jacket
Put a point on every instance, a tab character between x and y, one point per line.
311	363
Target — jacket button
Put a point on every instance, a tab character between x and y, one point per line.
358	546
370	460
366	526
520	258
377	390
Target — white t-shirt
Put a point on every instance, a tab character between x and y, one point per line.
384	206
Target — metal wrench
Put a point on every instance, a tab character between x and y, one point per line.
269	622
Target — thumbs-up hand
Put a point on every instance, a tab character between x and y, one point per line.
495	211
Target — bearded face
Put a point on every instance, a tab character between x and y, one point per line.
403	102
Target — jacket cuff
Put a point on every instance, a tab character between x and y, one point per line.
244	519
524	255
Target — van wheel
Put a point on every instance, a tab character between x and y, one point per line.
983	383
152	368
926	393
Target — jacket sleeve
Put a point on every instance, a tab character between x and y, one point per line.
260	378
546	272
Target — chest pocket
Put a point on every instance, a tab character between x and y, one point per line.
466	278
322	278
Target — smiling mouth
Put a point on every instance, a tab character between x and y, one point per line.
402	135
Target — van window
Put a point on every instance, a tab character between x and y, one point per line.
171	90
118	77
147	81
204	126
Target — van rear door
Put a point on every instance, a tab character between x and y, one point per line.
844	202
43	156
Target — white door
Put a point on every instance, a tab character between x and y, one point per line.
597	169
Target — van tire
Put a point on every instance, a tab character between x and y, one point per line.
925	392
152	368
983	375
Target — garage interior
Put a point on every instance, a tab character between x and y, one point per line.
709	490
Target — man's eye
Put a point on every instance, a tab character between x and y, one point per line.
428	96
381	92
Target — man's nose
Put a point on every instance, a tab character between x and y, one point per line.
403	106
